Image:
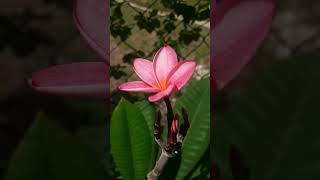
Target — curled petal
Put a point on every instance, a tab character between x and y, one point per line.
162	94
89	79
164	62
182	73
237	33
144	70
137	86
91	18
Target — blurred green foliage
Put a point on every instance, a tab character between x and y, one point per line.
271	131
47	152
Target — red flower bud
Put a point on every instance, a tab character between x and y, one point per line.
174	125
173	130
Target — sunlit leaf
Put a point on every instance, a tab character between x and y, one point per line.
130	141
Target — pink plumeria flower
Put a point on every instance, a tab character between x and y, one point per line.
163	76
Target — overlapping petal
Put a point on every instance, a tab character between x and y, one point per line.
239	28
162	94
164	62
182	73
88	79
137	86
144	69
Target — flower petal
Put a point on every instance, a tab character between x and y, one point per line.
88	79
182	73
137	86
164	62
91	18
162	94
239	30
144	70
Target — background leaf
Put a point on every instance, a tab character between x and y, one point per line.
196	100
130	141
202	170
274	124
48	153
148	112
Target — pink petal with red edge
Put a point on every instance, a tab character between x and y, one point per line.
137	86
164	61
144	70
162	94
242	25
182	73
89	79
92	18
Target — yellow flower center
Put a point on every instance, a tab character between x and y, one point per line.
163	85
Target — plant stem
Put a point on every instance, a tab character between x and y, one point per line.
160	164
170	148
169	114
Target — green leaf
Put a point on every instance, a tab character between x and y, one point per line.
196	100
47	152
274	123
130	141
203	168
149	113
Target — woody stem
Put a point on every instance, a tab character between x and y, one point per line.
169	149
160	164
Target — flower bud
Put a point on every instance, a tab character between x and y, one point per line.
173	130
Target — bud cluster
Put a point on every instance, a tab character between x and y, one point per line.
175	134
